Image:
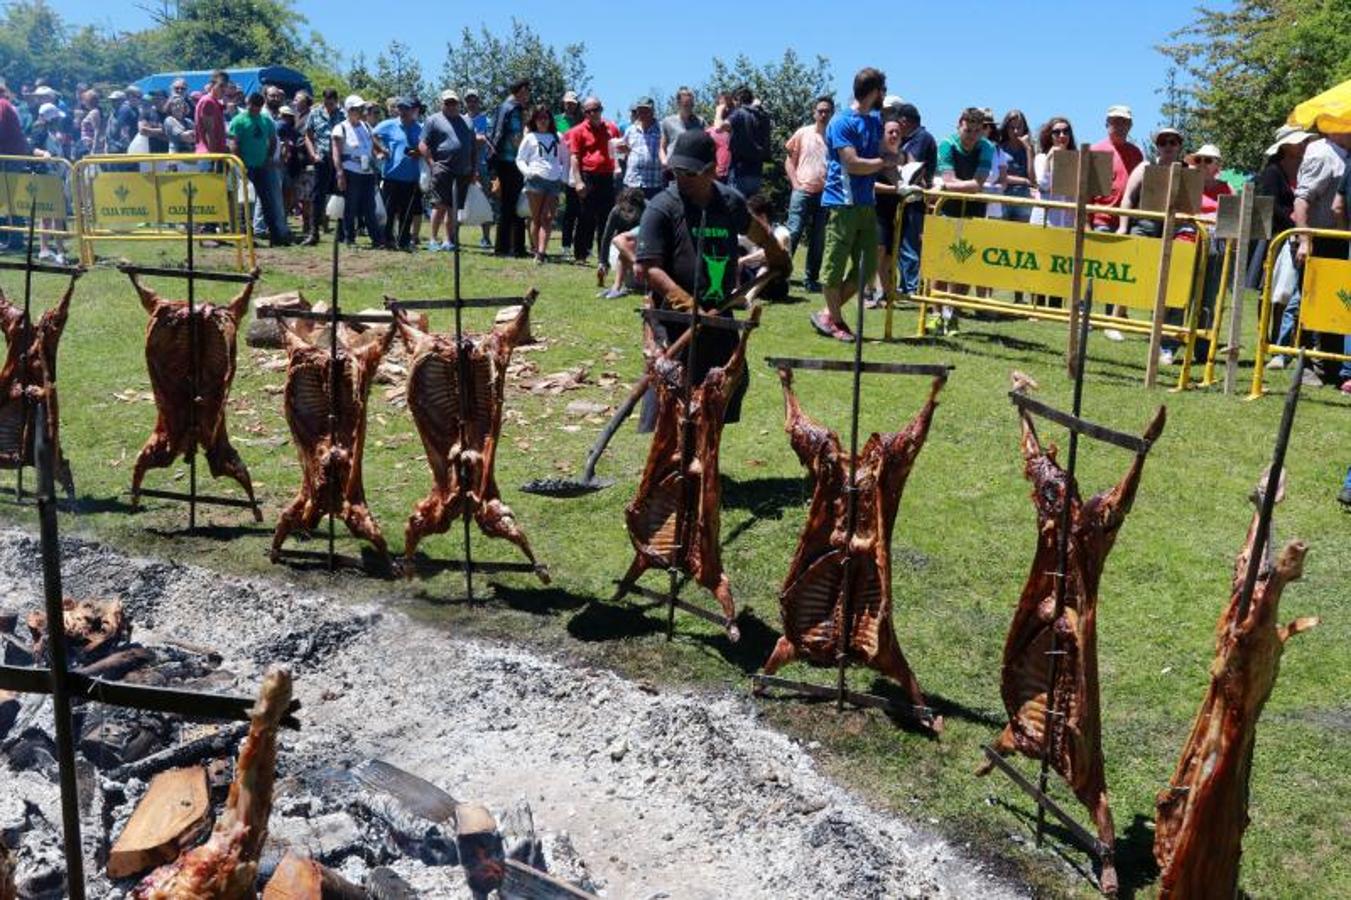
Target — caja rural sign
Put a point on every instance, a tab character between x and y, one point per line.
1014	256
1327	296
19	190
137	198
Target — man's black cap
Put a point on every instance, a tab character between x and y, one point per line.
693	151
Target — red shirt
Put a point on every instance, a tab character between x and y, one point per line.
722	151
591	147
1124	160
209	123
12	140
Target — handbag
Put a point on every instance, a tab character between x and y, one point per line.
1284	277
523	205
476	210
424	180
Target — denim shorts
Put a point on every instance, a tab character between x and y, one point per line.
537	185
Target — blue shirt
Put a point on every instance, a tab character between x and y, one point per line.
481	125
398	138
863	132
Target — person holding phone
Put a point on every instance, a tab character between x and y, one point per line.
402	169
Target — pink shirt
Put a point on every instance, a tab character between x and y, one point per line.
209	123
722	150
1124	160
808	147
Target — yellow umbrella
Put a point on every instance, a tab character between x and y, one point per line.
1329	112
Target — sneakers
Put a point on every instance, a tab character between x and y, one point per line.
1276	363
1113	335
46	256
1165	357
811	287
613	293
1344	497
825	327
1346	386
434	246
485	244
1310	378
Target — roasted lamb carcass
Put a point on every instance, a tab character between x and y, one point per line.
462	464
29	378
179	430
226	866
330	454
694	501
812	599
1198	831
1076	732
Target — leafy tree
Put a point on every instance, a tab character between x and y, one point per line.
206	34
1249	66
398	73
491	62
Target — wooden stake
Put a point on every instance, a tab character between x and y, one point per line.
1165	262
1077	277
172	813
1246	201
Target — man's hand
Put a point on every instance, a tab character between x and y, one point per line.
1302	250
342	180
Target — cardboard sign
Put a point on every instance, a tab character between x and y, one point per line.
1065	173
1227	222
147	198
1013	256
21	188
1327	295
1187	198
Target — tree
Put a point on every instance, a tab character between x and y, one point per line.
209	34
398	73
491	62
1249	66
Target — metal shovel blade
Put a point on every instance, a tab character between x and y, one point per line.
565	487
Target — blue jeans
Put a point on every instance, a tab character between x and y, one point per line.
805	213
268	202
1290	320
747	182
1346	485
912	242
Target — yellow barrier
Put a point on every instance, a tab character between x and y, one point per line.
1017	256
1325	302
20	186
143	197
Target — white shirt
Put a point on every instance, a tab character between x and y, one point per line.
357	149
542	155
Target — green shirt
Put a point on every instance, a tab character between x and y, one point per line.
254	133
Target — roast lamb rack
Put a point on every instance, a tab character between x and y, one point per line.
1201	816
179	429
812	599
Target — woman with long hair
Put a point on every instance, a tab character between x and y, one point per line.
1019	180
1056	136
543	159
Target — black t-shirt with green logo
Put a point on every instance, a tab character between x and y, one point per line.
669	233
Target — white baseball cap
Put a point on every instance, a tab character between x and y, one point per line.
1120	111
354	101
49	112
449	95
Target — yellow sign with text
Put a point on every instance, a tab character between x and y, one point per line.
136	198
125	198
1014	256
21	189
1327	296
210	197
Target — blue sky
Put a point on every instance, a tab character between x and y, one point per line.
1063	58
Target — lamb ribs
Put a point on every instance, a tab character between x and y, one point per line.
1201	817
1075	747
179	428
28	378
675	519
812	599
461	439
330	447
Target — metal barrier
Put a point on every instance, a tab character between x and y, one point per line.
142	197
1017	256
1325	302
21	185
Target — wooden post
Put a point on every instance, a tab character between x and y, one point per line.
1165	263
1245	222
1077	276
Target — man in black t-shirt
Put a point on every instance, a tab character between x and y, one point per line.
688	249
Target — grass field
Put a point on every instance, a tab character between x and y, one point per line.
963	543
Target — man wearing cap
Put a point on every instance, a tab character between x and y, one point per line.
508	130
919	146
687	251
1167	150
805	166
151	124
570	117
125	123
592	168
479	121
401	136
1125	157
448	145
253	138
642	139
318	134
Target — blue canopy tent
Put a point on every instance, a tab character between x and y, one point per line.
249	80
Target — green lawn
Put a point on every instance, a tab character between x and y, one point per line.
963	543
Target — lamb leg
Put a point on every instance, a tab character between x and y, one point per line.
431	515
639	565
1102	817
157	453
1004	745
497	520
784	653
362	524
299	513
223	459
891	663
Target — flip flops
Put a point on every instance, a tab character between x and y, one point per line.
826	328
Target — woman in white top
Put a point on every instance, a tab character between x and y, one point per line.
1057	135
355	150
542	158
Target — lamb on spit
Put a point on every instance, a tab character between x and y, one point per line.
178	431
1076	735
29	378
1198	832
330	453
226	866
811	601
462	472
665	498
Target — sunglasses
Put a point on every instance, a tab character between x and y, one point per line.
591	109
1168	142
1207	160
1057	132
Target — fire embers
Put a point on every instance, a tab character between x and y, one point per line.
1201	816
27	380
456	396
815	595
325	406
186	421
1075	744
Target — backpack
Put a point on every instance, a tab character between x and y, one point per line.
761	134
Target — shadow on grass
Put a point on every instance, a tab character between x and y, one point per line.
113	504
210	532
767	497
943	706
1059	840
602	620
1135	865
541	600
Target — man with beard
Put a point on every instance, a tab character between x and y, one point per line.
688	248
853	159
